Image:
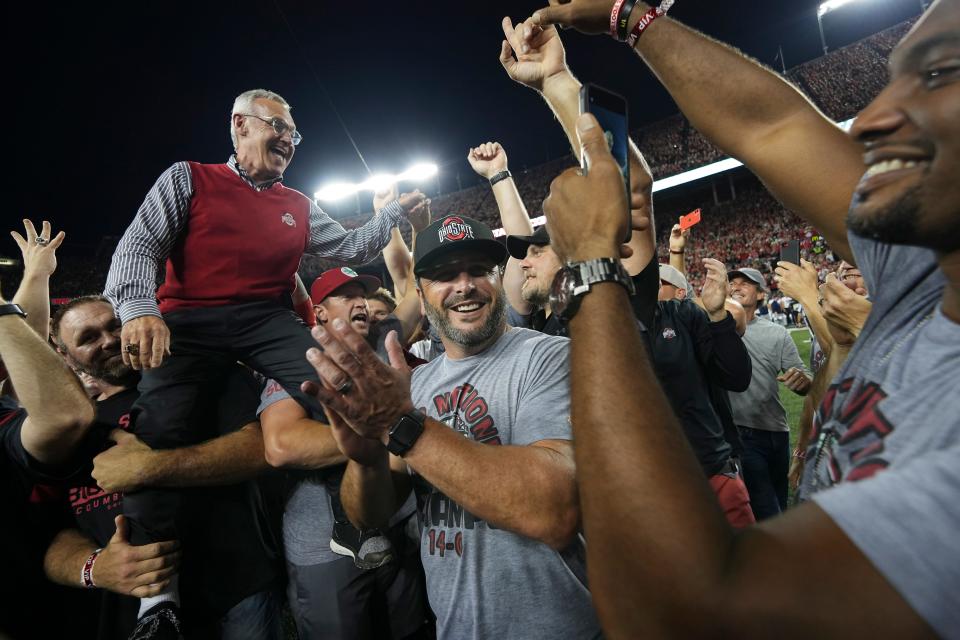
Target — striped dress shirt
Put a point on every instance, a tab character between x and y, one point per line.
138	262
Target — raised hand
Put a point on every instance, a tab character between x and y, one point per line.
587	214
540	58
586	16
141	571
420	216
798	281
367	393
144	342
39	250
678	238
385	196
488	159
714	291
843	309
409	201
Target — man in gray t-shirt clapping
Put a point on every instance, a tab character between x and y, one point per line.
481	435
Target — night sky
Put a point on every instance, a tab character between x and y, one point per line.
107	95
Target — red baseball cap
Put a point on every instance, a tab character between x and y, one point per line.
332	279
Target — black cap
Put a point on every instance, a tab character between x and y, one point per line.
454	233
518	245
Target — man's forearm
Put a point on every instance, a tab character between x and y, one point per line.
513	213
66	556
301	444
638	481
530	490
399	263
757	117
819	326
59	410
225	460
677	262
34	297
369	493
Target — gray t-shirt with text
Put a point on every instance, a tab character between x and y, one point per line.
884	462
485	582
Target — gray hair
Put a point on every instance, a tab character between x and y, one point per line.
244	104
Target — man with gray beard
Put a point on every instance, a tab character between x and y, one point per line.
481	435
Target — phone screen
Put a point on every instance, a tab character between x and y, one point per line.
790	251
610	110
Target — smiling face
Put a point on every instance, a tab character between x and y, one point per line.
911	138
262	152
90	334
348	303
463	298
746	292
539	268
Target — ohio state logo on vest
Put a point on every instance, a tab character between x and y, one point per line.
288	220
454	229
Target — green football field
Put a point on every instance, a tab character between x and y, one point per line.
790	400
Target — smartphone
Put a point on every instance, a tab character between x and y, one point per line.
790	252
610	110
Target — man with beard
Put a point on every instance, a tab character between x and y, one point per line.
230	574
874	552
480	435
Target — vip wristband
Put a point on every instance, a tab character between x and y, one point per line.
646	20
86	574
497	177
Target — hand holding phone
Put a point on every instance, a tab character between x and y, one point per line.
610	110
790	252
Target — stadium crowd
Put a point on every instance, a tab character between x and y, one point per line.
234	433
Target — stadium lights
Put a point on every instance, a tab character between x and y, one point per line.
831	5
379	182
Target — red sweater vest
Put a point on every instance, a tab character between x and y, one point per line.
239	244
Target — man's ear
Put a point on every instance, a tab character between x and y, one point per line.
321	312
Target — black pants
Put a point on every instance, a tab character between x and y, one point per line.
174	399
766	463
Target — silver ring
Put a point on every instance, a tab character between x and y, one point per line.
133	349
345	388
41	240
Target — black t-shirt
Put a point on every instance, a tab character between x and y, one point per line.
690	354
229	535
32	515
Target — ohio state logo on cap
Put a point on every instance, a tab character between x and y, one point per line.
454	229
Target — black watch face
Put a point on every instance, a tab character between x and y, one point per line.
561	291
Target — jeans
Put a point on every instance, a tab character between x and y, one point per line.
766	463
256	617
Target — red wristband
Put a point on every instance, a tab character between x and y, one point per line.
645	21
86	574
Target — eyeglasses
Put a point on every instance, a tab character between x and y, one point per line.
279	125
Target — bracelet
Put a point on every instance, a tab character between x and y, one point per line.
615	17
678	252
86	574
623	20
503	175
645	21
800	454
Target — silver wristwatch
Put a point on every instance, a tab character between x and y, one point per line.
576	278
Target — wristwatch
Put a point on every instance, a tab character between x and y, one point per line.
576	278
11	309
404	434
